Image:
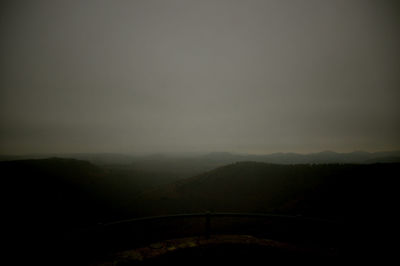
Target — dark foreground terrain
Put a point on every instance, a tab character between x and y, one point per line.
221	249
63	209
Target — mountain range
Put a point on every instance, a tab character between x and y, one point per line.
224	157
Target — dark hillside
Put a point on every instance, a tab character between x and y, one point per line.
67	193
58	191
332	190
52	199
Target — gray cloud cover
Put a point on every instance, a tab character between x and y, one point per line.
196	76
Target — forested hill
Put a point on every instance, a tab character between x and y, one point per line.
334	191
66	193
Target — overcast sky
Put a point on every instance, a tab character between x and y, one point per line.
199	76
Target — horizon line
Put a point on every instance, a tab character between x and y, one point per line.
191	153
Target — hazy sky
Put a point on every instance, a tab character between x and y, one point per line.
198	76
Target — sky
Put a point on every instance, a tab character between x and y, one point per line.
199	76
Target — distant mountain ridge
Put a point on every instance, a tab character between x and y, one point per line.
320	157
222	158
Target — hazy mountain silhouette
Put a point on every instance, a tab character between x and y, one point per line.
192	163
188	166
